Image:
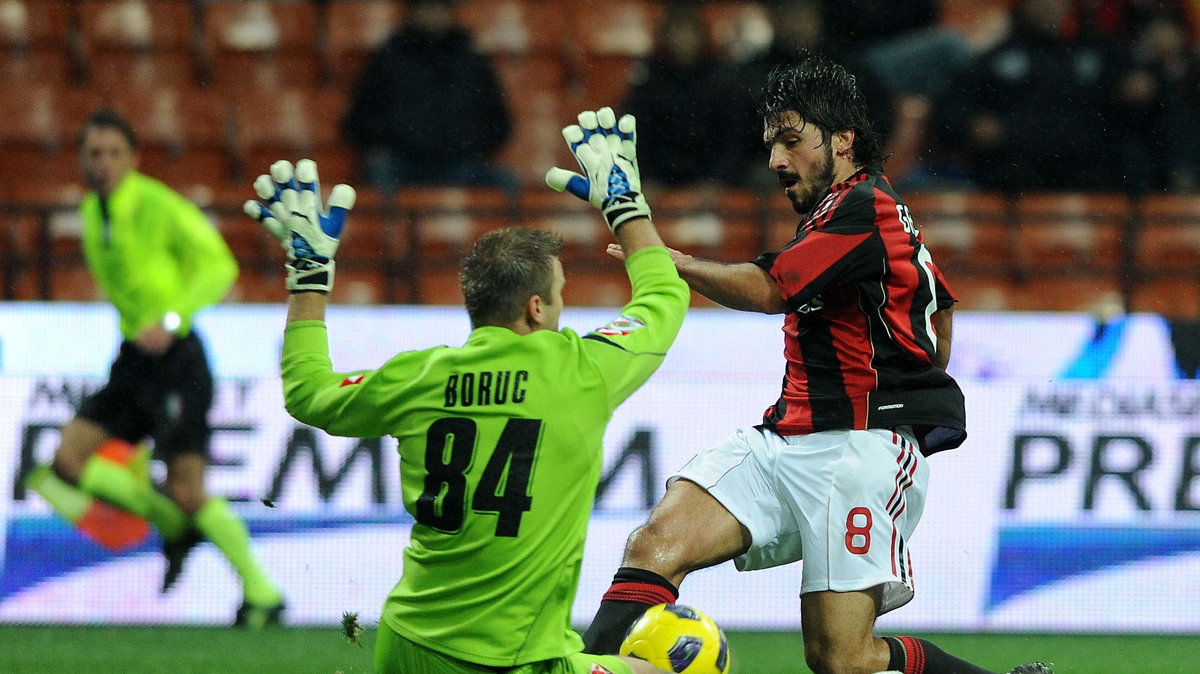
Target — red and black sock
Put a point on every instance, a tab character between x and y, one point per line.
632	592
917	656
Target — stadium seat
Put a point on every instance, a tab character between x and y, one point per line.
580	226
436	285
259	45
503	26
534	94
963	229
69	277
117	72
290	123
136	25
1065	229
33	24
20	241
603	285
625	28
1167	235
604	80
36	66
356	28
981	291
1171	295
368	255
442	222
1092	292
708	222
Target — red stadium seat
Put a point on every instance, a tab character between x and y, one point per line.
20	241
438	285
32	24
605	80
356	29
1168	235
625	28
1093	292
258	45
1063	229
442	222
36	66
963	229
1171	295
538	116
137	25
985	292
580	226
290	124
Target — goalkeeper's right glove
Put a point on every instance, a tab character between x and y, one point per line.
607	152
294	215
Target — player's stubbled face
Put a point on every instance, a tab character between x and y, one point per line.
801	159
105	157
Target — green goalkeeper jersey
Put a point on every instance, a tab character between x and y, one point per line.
153	252
500	446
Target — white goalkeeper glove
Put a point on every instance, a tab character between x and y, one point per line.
293	214
607	152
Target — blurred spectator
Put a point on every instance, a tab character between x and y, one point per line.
1038	110
796	25
1124	20
428	106
679	94
1165	100
863	24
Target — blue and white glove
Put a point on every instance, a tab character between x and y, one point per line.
607	152
293	214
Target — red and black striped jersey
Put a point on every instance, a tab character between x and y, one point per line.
859	339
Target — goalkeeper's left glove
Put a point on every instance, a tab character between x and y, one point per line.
607	152
294	215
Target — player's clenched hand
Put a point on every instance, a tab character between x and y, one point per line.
293	213
606	150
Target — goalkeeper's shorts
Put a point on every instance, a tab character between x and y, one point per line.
396	655
165	397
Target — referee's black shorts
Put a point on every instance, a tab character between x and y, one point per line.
165	397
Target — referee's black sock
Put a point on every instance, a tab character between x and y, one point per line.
631	593
917	656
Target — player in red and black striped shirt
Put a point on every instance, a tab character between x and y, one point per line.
836	472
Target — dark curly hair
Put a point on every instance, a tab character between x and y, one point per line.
504	269
825	94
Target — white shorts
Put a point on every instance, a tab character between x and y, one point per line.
846	502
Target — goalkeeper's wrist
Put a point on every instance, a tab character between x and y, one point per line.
312	278
622	208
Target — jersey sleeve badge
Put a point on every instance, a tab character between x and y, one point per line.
621	326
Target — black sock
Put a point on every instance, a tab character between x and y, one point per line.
632	592
917	656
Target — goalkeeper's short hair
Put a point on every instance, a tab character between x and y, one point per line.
504	269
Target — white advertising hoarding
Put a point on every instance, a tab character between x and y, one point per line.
1075	494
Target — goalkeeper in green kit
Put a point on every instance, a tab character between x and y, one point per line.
500	438
159	261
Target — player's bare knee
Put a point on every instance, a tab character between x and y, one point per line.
824	657
654	546
68	467
190	498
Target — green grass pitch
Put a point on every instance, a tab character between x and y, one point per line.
43	649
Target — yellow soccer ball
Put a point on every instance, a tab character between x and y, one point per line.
678	639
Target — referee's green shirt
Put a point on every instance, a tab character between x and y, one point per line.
500	446
155	253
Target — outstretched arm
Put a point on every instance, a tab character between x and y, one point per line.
744	286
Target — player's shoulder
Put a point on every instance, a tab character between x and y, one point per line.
859	198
